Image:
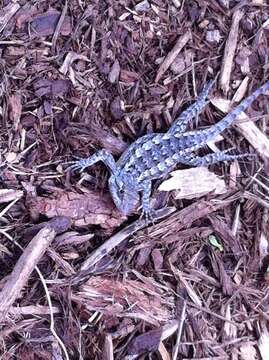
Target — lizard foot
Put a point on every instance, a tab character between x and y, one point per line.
149	215
80	165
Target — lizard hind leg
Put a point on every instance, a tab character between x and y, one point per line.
196	139
214	158
181	122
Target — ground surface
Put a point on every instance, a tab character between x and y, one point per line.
84	75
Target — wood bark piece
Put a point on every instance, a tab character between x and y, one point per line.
247	128
7	195
193	183
46	24
229	52
89	208
6	14
23	269
118	238
171	56
255	137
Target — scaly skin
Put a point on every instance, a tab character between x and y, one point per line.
153	156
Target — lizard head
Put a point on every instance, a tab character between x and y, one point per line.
124	196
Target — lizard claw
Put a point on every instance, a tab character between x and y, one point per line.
77	165
148	214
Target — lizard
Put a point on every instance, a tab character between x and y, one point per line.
154	156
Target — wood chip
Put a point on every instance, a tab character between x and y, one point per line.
69	59
229	52
142	6
83	209
213	36
23	269
46	24
114	74
171	56
6	13
241	91
15	109
193	183
7	195
263	342
247	128
51	88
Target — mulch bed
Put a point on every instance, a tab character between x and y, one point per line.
78	279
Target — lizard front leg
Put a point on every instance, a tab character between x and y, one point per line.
147	211
101	155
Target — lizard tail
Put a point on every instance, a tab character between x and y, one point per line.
210	133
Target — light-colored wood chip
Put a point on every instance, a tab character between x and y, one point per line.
23	269
229	52
213	36
114	73
193	183
142	6
7	13
69	59
248	352
7	195
247	128
241	91
263	342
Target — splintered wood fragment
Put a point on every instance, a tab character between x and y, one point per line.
7	195
118	238
171	56
69	59
241	91
33	310
247	128
193	183
58	28
255	137
263	339
229	52
108	348
15	109
164	354
222	104
176	3
146	300
23	269
6	14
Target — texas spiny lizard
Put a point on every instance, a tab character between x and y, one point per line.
153	156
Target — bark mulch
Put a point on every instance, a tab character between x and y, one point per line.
78	279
